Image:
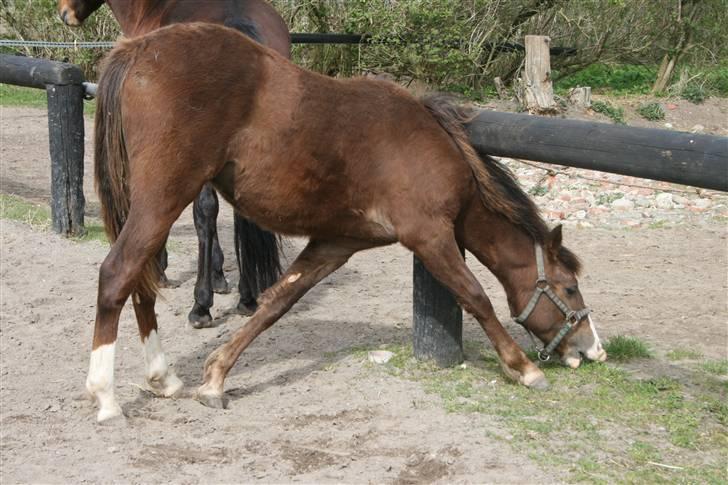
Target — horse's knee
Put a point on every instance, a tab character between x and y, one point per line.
111	296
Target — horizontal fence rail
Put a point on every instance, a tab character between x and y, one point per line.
671	156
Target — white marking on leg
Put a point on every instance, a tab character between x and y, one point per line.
100	381
160	377
595	352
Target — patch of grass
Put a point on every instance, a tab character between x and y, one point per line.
606	198
659	224
717	367
611	79
695	93
590	419
616	114
624	348
651	111
11	95
684	354
538	190
38	216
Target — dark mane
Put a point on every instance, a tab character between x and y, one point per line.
500	190
525	212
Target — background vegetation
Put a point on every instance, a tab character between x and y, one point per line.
622	46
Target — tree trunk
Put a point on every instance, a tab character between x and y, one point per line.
538	88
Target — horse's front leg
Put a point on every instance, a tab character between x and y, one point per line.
316	261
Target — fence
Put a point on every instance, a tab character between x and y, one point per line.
684	158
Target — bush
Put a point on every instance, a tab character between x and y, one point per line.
694	92
618	79
651	111
615	113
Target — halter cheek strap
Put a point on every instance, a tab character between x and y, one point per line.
543	288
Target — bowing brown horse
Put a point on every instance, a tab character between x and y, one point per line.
352	164
256	250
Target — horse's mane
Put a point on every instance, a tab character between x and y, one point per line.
498	186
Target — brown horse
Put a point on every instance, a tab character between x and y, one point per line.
256	250
352	164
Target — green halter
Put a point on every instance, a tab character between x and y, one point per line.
543	287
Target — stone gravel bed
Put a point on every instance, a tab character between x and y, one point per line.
587	198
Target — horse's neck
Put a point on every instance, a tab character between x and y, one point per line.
137	17
511	257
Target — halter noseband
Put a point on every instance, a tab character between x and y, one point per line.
543	287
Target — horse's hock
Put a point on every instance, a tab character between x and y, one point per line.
64	87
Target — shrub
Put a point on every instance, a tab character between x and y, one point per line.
616	114
651	111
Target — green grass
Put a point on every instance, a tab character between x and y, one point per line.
35	98
717	367
684	354
614	113
38	216
651	111
626	348
595	424
619	79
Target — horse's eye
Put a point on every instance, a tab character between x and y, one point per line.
571	291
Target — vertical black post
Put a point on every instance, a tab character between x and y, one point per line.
438	320
66	133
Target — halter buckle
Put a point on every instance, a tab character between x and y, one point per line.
544	356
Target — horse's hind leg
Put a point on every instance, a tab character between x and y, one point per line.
161	380
210	258
144	232
439	252
316	261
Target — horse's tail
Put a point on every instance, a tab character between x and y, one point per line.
258	257
498	188
111	161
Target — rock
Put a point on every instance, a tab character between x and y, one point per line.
703	203
679	199
580	214
380	356
664	201
643	202
668	125
623	204
697	129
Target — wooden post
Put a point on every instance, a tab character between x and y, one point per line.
438	320
538	89
65	136
580	97
64	88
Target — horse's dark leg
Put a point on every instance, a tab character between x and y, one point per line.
161	380
439	252
258	262
205	210
316	261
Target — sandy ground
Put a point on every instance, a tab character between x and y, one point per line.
302	406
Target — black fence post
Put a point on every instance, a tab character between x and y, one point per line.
64	86
437	331
66	143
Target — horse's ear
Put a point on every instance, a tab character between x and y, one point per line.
554	239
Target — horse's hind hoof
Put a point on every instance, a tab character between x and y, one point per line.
200	317
539	384
211	401
246	308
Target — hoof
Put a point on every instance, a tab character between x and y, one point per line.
246	308
220	284
200	317
210	400
112	416
171	386
540	383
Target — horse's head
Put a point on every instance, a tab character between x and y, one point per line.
554	309
74	12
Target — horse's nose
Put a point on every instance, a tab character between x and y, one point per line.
63	15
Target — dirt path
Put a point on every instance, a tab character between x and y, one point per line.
303	405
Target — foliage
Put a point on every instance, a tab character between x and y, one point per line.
651	111
456	46
36	98
693	92
615	113
622	347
